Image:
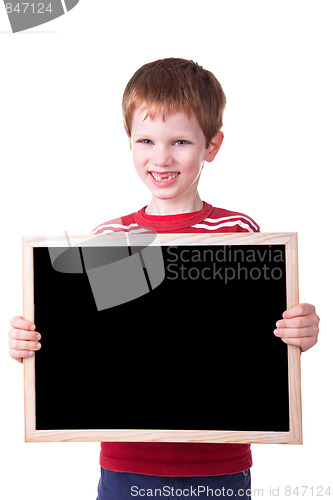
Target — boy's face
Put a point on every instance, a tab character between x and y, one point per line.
168	155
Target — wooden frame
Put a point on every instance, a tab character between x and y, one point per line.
294	436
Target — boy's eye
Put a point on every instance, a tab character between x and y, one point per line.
182	142
145	141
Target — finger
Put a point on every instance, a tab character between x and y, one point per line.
295	332
304	343
15	333
22	324
22	345
297	322
20	355
299	310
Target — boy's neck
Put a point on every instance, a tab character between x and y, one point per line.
172	207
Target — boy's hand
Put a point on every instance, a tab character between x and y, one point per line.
23	339
299	326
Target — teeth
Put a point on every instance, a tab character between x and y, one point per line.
160	178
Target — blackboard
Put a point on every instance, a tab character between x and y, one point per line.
163	337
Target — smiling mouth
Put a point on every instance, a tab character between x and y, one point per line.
166	176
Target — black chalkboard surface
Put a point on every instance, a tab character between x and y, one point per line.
173	337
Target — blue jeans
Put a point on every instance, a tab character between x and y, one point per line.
128	486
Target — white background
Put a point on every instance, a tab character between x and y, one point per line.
66	166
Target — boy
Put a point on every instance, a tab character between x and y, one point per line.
173	112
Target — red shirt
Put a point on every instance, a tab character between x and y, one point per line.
209	219
178	459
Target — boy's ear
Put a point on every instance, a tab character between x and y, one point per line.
214	146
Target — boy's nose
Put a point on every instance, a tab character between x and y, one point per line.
162	157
